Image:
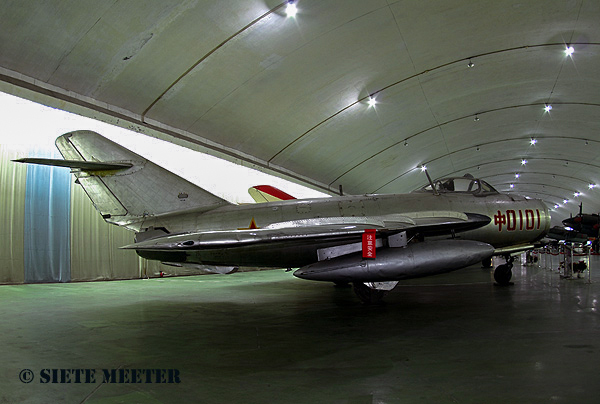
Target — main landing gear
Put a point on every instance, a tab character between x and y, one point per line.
373	292
503	273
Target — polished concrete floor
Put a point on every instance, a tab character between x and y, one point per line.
266	337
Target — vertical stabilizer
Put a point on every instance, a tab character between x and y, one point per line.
128	187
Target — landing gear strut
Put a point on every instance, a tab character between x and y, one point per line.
503	273
368	295
373	292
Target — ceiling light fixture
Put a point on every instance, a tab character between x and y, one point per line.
470	65
517	175
372	102
476	118
547	107
533	141
565	201
569	50
523	162
405	143
556	206
512	186
592	186
423	168
576	194
291	9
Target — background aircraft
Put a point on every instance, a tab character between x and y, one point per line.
372	241
581	228
585	223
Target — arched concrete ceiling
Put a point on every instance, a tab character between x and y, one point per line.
291	94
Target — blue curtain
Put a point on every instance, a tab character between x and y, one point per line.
47	239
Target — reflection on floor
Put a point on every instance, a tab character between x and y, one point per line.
268	337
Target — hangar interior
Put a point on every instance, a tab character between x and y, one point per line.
344	96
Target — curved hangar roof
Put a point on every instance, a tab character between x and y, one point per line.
458	86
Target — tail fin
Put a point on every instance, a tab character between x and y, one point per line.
126	187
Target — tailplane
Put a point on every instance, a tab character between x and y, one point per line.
124	186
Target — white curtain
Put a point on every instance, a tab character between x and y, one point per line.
12	207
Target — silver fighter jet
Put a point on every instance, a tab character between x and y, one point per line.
372	241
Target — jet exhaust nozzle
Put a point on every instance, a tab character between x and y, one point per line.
394	264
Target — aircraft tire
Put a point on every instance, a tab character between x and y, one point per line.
367	295
503	274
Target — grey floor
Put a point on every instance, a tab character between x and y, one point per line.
266	337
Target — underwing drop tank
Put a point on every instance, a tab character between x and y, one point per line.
394	264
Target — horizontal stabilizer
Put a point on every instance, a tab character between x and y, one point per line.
76	164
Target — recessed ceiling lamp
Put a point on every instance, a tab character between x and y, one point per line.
569	50
291	9
523	162
548	108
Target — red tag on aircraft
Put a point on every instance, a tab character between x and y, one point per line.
368	243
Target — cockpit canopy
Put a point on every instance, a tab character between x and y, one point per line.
466	184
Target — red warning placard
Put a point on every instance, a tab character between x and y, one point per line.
368	243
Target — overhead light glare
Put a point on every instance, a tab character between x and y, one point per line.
548	108
592	186
565	201
291	9
576	194
556	206
517	175
533	142
523	162
569	50
372	102
423	168
512	186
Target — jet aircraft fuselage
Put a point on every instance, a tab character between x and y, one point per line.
514	220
